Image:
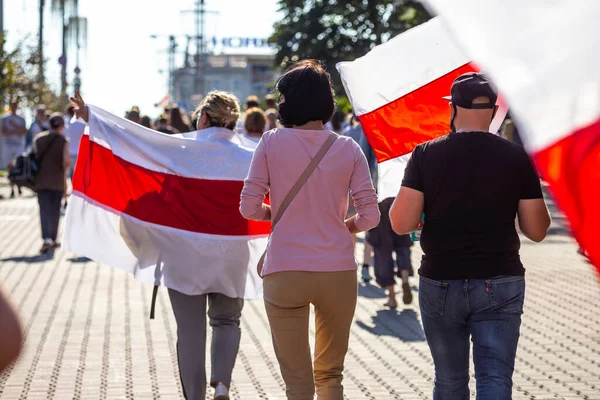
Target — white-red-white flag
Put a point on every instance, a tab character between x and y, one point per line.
397	91
165	208
545	57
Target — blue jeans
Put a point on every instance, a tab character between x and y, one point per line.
486	310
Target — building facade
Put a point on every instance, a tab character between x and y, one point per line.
240	74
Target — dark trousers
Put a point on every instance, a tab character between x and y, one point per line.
385	243
49	201
487	311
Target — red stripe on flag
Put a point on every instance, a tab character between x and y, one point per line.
422	115
196	205
572	168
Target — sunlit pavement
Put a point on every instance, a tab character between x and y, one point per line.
88	335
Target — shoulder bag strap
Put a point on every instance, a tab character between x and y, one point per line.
304	177
40	157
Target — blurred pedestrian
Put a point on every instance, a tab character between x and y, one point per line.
270	102
13	130
254	125
134	114
251	102
272	122
471	186
164	127
310	258
356	132
386	243
52	152
39	125
336	122
178	120
146	121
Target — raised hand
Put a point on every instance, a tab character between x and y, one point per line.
81	110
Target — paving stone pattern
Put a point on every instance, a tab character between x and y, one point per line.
88	335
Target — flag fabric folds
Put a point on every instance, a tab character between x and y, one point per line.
165	208
397	91
546	60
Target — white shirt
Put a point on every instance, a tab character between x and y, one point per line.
73	132
10	123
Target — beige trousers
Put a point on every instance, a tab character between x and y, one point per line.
288	296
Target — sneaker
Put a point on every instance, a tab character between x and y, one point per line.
407	296
366	276
221	392
55	244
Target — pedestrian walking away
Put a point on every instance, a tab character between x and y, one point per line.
218	115
471	185
52	152
385	243
310	256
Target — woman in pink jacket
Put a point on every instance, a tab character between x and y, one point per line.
310	257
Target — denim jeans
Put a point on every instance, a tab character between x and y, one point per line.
49	201
488	311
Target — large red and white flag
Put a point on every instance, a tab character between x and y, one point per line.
397	91
165	208
545	57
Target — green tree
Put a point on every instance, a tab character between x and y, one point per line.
340	30
19	77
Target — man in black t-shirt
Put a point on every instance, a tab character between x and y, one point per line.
471	185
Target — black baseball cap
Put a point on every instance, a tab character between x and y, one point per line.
468	87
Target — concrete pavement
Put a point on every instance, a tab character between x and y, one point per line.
88	335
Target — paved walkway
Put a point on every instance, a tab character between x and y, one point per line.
88	335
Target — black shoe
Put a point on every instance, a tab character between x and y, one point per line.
46	247
407	296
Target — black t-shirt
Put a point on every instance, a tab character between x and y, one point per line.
472	183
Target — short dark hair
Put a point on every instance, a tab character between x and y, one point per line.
270	101
252	101
307	94
56	121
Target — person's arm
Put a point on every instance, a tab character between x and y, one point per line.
533	215
534	219
363	195
405	214
10	332
256	186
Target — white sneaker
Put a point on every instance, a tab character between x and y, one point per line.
221	392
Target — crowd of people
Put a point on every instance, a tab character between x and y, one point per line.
471	278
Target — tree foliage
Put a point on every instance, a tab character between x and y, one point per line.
340	30
18	77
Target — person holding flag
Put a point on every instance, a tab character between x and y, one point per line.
218	114
471	185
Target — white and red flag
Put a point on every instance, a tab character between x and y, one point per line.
165	208
397	91
545	57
